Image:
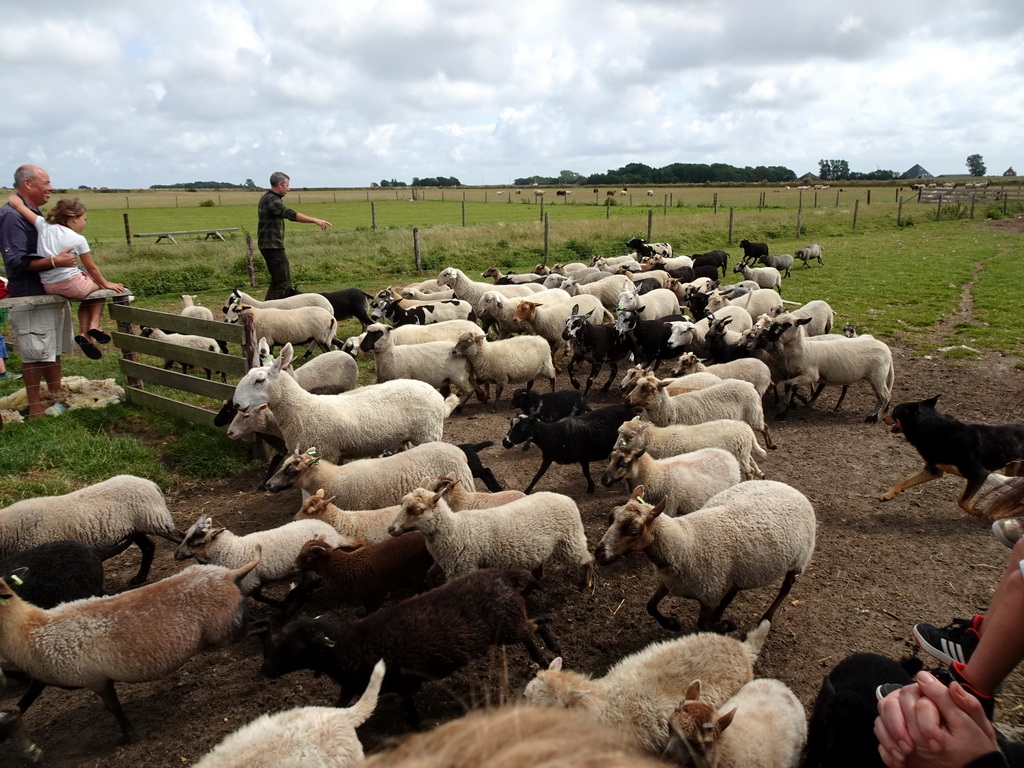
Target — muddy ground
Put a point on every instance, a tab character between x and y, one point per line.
879	568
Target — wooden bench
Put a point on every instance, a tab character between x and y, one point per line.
46	298
170	235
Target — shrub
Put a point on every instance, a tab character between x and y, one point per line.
207	204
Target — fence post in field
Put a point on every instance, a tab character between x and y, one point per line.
732	213
715	203
799	221
800	202
542	209
898	190
463	212
416	248
856	207
1005	200
373	215
938	209
974	196
650	223
869	197
334	196
250	266
899	213
442	195
547	237
175	201
838	192
815	198
127	231
664	206
919	191
607	207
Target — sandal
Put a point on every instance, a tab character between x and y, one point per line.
99	336
91	350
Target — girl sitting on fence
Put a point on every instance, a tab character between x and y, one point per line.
62	229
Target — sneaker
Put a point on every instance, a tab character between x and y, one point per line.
954	643
946	676
8	376
91	350
1008	530
98	336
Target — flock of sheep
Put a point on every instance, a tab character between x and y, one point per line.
390	509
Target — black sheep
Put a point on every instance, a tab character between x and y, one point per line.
350	302
840	731
648	339
718	259
583	439
550	406
56	572
477	467
426	637
596	344
753	251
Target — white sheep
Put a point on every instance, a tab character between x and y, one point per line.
430	361
730	435
502	309
822	317
660	302
745	369
711	554
239	298
190	309
674	386
449	330
519	360
370	483
606	290
331	372
810	253
685	481
674	262
658	275
441	294
189	341
690	335
731	399
766	277
547	319
363	422
471	291
114	513
303	737
766	723
133	637
369	525
511	277
638	695
833	360
756	303
278	548
524	533
459	497
289	326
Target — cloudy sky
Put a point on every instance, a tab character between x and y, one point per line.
129	93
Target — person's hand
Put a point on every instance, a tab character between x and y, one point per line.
928	724
65	258
115	287
13	198
322	224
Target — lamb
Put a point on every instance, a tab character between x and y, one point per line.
431	361
449	330
584	438
710	555
459	497
368	575
657	303
190	309
649	250
239	298
685	482
756	303
745	369
363	422
840	731
673	386
551	406
733	436
766	277
753	251
525	533
501	310
289	326
718	259
647	339
428	636
838	361
110	515
782	262
332	372
511	278
408	312
547	319
471	291
672	263
201	343
303	737
412	292
731	399
477	467
518	360
61	571
809	253
596	344
606	290
368	525
278	547
637	696
613	261
369	483
95	642
766	727
646	276
349	302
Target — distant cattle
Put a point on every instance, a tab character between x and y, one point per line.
563	193
611	193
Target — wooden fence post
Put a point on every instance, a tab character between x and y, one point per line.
547	237
463	211
838	192
250	265
856	207
650	223
416	248
127	230
869	197
664	205
815	198
541	209
715	203
899	213
938	209
799	221
373	215
800	202
124	327
732	212
607	207
974	196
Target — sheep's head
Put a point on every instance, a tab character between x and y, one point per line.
644	392
197	537
448	276
373	334
629	528
259	386
291	469
694	730
468	343
417	506
620	465
526	311
553	687
313	552
520	429
632	435
314	506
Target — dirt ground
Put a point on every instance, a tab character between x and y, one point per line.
879	568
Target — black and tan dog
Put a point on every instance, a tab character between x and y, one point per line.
946	444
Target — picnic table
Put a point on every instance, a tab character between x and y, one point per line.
209	233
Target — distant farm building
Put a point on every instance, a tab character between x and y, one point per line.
917	172
1009	172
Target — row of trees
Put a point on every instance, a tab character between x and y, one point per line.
676	173
839	170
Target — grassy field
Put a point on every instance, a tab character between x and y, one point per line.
896	282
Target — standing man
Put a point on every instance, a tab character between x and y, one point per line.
270	233
43	332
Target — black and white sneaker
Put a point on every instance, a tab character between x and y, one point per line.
949	644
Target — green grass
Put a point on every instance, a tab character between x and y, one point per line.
897	283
